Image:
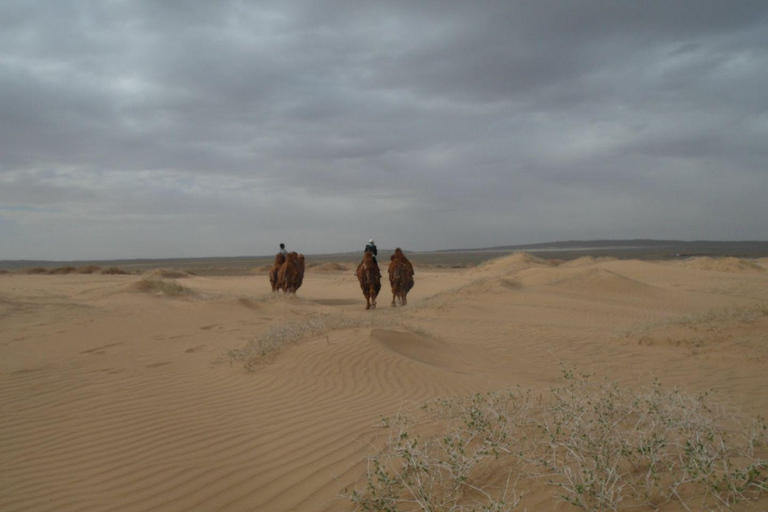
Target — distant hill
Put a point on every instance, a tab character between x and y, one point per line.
696	245
563	250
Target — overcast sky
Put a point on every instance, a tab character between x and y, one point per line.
221	128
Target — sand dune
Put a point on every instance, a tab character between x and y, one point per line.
116	393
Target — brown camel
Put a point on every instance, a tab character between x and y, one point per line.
368	275
400	276
273	279
291	273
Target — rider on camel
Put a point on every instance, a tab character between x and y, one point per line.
371	248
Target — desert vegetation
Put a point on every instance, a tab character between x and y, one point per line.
596	445
263	348
158	286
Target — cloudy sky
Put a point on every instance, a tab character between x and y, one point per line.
199	128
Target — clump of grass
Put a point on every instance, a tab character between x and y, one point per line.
606	448
62	270
261	348
36	270
169	273
114	271
599	446
88	269
421	470
161	287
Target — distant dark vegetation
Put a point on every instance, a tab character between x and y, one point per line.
458	258
86	269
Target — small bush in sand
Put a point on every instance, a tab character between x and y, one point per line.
442	462
273	340
62	270
161	287
168	273
114	271
35	270
88	269
598	445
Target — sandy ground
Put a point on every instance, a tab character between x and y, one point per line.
118	396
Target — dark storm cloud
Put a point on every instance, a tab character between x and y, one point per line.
188	128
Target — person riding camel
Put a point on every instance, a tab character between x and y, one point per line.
282	250
371	248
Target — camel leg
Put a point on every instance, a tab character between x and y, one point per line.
367	301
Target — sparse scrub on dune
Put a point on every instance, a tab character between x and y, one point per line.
88	269
276	338
161	287
597	445
706	321
114	271
62	270
168	273
438	462
36	270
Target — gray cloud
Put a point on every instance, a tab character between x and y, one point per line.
161	129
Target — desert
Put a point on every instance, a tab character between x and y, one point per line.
168	390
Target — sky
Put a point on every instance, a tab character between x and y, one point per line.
162	129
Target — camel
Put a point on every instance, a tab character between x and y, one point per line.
368	275
400	277
291	273
273	280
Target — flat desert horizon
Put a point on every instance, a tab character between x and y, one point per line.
195	387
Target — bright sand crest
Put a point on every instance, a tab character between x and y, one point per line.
117	393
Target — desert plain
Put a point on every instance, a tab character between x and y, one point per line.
144	392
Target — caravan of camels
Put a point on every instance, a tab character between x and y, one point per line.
287	275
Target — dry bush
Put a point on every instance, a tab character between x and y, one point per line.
598	445
88	269
161	287
3	271
168	273
610	448
261	348
442	462
114	271
62	270
35	270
